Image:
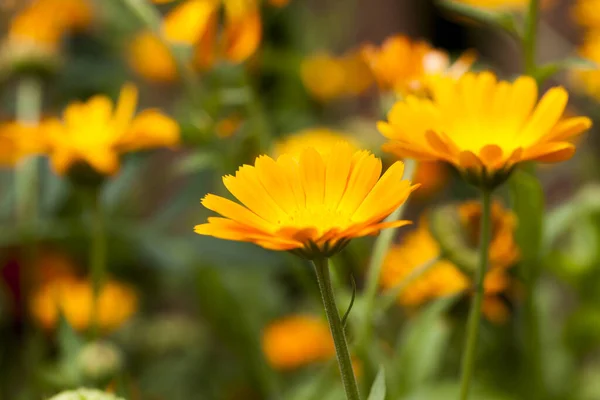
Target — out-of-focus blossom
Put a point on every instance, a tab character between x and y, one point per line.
405	66
588	81
432	176
74	299
100	360
321	139
444	278
327	77
227	127
18	141
585	13
85	394
312	205
482	126
95	134
151	58
296	341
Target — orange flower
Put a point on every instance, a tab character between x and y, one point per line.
588	80
405	66
94	133
151	58
74	299
312	205
18	141
296	341
482	126
432	176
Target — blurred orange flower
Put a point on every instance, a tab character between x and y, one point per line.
482	126
74	299
432	176
327	77
18	141
296	341
95	133
588	80
311	205
444	278
585	13
151	58
405	66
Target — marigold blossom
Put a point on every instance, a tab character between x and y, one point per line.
311	205
18	141
405	66
482	126
444	278
296	341
74	299
95	133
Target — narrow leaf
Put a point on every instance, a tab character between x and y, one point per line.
378	388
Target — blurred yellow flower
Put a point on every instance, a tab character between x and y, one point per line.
44	22
585	13
405	66
321	139
296	341
482	126
444	278
196	23
74	299
94	133
151	58
588	80
18	141
327	77
311	205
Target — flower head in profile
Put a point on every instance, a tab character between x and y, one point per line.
296	341
327	77
18	141
405	66
311	205
95	133
446	276
73	298
482	126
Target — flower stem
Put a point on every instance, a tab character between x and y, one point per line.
97	257
530	37
337	330
470	350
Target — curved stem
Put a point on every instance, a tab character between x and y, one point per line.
530	38
97	257
470	350
337	330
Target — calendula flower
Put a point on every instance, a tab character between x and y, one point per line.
327	77
311	205
585	13
95	134
405	66
74	299
321	139
196	23
18	141
588	81
482	126
296	341
151	58
444	278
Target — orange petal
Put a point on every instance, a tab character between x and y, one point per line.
550	152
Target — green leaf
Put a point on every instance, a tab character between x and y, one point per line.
378	388
527	197
199	161
578	63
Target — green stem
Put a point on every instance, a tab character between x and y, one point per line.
470	350
530	38
28	110
381	247
97	256
337	330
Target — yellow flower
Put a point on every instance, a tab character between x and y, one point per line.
327	77
18	141
151	58
444	278
296	341
74	299
196	23
482	126
311	205
405	66
585	13
94	133
321	139
588	81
